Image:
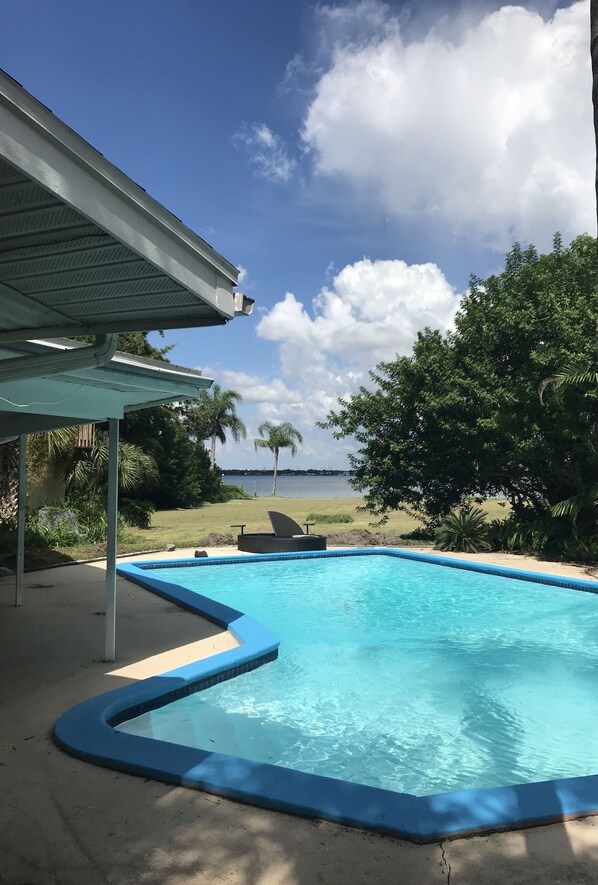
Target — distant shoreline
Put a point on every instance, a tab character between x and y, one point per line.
310	472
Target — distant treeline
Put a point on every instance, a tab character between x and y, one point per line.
311	472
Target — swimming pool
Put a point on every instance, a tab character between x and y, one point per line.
402	699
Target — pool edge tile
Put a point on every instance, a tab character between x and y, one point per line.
87	731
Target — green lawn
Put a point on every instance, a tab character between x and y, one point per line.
188	528
191	528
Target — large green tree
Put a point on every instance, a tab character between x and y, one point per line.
594	60
276	437
213	416
461	416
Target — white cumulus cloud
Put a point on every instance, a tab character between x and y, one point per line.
371	311
267	152
489	131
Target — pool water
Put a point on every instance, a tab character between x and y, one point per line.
399	674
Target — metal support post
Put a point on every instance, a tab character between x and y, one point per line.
22	498
111	540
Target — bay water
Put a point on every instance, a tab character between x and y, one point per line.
260	485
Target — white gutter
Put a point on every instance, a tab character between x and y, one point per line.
40	365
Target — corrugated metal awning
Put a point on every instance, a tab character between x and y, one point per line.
83	249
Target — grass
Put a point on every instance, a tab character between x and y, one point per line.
190	528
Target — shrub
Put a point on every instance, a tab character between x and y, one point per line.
220	539
507	535
326	518
65	525
59	526
581	549
529	531
419	535
464	530
364	538
136	513
229	492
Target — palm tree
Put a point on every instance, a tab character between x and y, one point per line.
571	376
88	476
277	437
9	479
214	414
86	472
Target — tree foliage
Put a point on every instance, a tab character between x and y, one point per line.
461	417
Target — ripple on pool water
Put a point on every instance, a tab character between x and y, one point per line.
400	674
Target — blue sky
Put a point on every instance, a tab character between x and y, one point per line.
357	160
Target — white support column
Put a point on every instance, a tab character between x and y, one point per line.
20	577
111	540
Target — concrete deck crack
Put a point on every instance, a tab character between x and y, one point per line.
446	864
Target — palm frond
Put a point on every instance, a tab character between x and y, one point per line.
573	506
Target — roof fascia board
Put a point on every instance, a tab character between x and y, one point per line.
161	402
138	384
17	396
47	151
16	423
104	328
138	365
88	402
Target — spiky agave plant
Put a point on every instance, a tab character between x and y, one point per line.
464	530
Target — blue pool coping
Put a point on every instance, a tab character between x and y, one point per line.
88	730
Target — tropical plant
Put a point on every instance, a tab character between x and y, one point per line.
276	437
9	478
527	531
135	512
88	477
585	380
213	415
464	530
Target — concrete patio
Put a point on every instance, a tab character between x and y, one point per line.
65	821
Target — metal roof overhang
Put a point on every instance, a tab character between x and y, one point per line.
88	395
86	251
